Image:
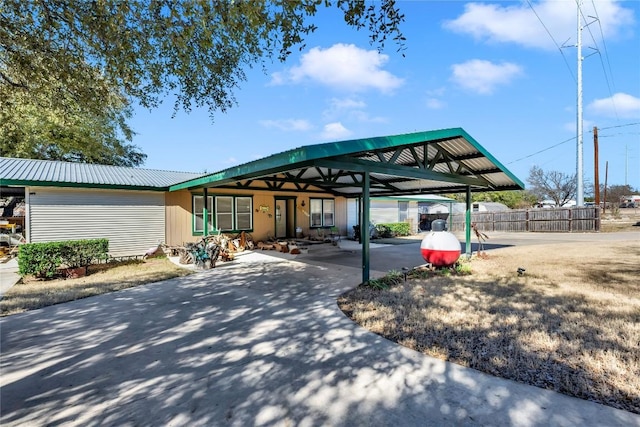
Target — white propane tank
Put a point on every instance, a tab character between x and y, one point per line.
440	248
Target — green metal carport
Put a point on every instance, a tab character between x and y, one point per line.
431	162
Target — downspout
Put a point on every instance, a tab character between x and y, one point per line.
205	212
364	227
467	228
27	214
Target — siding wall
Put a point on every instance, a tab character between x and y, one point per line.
387	211
133	221
179	218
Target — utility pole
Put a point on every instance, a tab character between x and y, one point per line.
606	175
596	178
579	160
626	163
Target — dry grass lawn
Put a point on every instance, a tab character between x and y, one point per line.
571	323
31	294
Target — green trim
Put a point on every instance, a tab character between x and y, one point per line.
467	222
214	221
295	212
195	232
23	183
364	228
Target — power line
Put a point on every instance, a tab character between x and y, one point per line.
554	41
597	49
620	126
543	150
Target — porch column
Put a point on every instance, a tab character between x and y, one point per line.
205	212
467	227
364	227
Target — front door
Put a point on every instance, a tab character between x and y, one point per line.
285	219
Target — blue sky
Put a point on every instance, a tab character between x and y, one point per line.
497	69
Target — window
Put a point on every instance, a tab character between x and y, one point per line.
226	213
244	216
322	212
198	213
403	209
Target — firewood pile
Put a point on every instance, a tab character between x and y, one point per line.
206	251
283	246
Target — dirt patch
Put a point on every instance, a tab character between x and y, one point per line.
31	294
570	323
627	219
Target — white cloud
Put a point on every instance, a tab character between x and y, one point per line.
619	105
483	76
334	131
342	66
287	125
519	24
349	109
435	104
346	104
230	161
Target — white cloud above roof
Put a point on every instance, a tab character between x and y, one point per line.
482	76
620	105
351	109
344	67
334	130
527	26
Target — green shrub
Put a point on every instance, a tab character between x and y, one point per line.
40	259
393	229
44	259
80	253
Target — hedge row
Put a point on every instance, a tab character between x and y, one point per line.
393	229
44	259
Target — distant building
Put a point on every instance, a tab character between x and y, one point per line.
548	203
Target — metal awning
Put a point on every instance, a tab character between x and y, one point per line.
433	162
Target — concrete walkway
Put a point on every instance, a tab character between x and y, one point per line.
238	346
8	275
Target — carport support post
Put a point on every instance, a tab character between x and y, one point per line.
205	213
364	227
467	223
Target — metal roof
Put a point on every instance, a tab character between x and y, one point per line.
439	161
32	172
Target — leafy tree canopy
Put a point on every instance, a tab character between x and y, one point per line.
196	50
46	123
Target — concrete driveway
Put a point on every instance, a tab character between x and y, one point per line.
259	341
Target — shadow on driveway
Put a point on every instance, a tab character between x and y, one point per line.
258	342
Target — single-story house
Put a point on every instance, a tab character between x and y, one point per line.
305	189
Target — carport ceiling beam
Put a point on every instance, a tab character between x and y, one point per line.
359	165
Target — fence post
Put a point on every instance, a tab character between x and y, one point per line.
597	216
526	220
570	223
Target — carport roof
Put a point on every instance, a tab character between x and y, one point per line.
438	161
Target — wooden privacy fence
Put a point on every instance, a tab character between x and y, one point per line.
550	220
